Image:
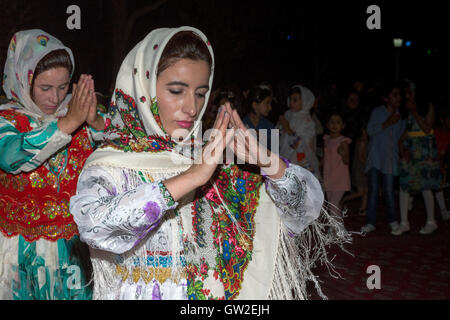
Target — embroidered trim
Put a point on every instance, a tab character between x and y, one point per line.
49	232
147	274
170	202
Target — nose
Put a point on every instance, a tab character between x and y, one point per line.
54	98
189	106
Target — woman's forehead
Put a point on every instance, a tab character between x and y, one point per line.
53	75
188	71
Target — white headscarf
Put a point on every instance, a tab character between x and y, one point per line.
133	114
25	51
304	127
301	121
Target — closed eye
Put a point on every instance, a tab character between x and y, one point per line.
175	91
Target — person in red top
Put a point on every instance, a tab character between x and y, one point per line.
43	147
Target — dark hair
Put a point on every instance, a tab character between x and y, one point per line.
422	99
55	59
389	86
335	113
257	94
294	90
352	91
184	45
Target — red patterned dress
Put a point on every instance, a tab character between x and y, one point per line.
39	171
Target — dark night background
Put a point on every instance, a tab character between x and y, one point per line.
321	44
329	42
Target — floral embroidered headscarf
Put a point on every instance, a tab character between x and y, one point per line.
132	123
25	51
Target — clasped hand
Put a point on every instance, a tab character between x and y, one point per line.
82	107
230	132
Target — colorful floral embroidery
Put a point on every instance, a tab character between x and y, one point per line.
42	39
12	45
36	204
240	192
52	209
195	290
166	195
37	181
155	112
132	136
30	77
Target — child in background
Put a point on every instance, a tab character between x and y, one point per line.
442	134
298	130
359	178
336	175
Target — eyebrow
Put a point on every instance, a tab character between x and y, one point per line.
49	85
179	83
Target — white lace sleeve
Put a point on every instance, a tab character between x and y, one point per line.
298	197
113	220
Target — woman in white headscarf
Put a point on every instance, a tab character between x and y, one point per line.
43	146
161	224
298	130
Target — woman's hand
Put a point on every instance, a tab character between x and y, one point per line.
93	118
248	149
200	173
78	106
212	153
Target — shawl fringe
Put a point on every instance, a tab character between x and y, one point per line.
298	255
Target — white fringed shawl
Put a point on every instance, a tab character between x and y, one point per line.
281	264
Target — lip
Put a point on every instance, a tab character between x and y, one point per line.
52	107
185	124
